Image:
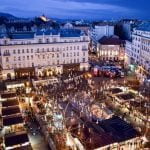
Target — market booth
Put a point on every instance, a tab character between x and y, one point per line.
16	140
8	95
10	111
10	103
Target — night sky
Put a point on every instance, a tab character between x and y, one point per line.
83	9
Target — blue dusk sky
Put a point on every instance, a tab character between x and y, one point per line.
83	9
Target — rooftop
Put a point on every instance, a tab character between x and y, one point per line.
28	147
8	95
116	90
126	96
22	35
112	40
119	129
10	103
96	135
16	138
10	110
30	35
12	120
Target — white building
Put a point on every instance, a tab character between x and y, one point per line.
100	30
128	52
42	53
138	51
110	49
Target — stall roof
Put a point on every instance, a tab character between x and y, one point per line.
104	132
8	95
16	138
116	90
126	96
28	147
10	103
119	129
10	110
12	120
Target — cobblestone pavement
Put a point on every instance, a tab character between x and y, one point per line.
38	142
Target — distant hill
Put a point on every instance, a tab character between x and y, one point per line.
8	16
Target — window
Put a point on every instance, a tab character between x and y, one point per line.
7	59
38	50
27	50
47	40
57	62
31	50
18	51
31	56
83	59
23	57
83	53
70	47
8	66
63	54
57	55
5	42
22	50
19	58
74	54
40	40
27	57
77	53
77	47
54	40
74	48
52	55
14	51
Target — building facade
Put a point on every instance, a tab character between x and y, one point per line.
110	49
139	52
102	30
42	53
98	31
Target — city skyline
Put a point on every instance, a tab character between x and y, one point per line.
82	9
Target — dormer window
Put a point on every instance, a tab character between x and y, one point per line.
5	42
54	40
47	40
40	40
